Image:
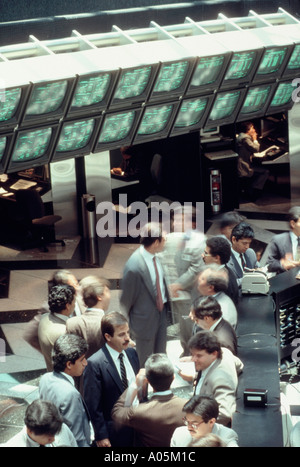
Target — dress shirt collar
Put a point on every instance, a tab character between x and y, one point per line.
69	378
114	353
213	327
161	393
62	317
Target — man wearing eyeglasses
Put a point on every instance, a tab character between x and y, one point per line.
201	413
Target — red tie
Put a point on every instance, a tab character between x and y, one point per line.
159	300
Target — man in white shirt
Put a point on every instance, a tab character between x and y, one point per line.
58	386
201	413
44	427
110	370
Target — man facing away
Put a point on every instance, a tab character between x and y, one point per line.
53	324
109	372
58	386
96	296
156	419
144	297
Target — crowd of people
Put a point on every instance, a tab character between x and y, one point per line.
109	379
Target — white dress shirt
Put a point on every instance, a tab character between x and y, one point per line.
115	357
148	257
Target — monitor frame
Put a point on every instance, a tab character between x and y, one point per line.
164	133
282	108
291	73
227	84
117	104
197	126
57	156
13	166
156	97
5	158
52	117
231	118
127	141
17	118
258	113
92	109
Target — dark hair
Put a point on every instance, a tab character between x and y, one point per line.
245	126
43	418
205	340
60	296
150	233
92	287
207	306
110	321
159	371
242	230
219	246
205	407
67	348
230	218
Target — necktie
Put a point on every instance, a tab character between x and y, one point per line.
123	372
159	300
242	261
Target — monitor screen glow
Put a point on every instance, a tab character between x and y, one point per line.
272	61
75	139
241	65
207	72
90	91
293	66
225	108
256	101
172	79
191	114
156	122
282	99
9	102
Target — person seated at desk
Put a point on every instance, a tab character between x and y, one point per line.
129	167
284	248
248	150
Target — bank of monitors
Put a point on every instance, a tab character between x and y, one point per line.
208	74
133	86
92	93
172	79
292	69
156	122
256	101
76	138
48	101
12	103
32	148
283	98
117	129
241	69
225	108
191	114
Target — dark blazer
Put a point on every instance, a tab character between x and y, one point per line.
102	388
250	259
225	333
279	246
233	288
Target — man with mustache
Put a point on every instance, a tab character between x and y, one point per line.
109	372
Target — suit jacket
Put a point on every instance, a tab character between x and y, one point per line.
229	311
154	420
56	387
221	382
64	438
250	259
102	388
233	288
279	246
50	328
138	299
226	335
88	326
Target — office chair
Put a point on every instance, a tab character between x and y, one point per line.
39	226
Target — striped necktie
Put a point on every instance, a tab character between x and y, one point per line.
123	372
242	261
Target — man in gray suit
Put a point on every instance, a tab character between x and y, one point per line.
218	371
144	298
284	248
242	256
58	386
